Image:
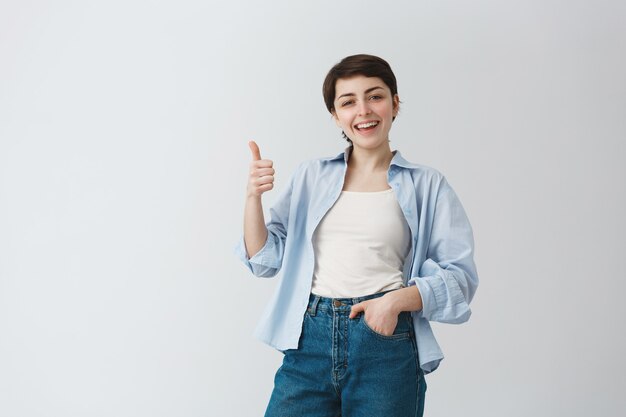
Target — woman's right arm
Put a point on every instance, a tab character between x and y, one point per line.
261	179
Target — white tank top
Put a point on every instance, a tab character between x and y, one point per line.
360	245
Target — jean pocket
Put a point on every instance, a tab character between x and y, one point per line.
401	332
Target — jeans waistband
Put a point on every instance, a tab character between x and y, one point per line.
338	304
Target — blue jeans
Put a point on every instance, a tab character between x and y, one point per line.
343	368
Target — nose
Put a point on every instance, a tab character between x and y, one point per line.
364	108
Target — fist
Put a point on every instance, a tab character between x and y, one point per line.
261	176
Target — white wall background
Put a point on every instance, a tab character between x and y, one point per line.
123	163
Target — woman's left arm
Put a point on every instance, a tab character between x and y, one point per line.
447	279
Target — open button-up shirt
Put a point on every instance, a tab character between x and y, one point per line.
440	262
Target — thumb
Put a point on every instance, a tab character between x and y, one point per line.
356	309
256	153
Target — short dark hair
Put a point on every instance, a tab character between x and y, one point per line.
350	66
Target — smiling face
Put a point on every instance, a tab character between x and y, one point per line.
364	109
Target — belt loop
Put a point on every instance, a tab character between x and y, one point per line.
313	308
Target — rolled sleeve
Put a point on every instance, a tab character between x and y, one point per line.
442	299
264	263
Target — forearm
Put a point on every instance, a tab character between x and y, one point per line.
405	299
254	229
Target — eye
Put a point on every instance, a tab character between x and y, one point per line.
346	103
375	97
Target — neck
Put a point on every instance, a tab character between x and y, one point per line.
370	160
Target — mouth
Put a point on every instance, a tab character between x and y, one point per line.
366	126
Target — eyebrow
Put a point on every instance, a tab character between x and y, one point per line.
352	94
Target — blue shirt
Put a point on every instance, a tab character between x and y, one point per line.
440	262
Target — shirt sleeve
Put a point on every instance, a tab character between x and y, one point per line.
268	260
447	280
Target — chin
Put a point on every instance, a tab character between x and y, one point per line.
369	143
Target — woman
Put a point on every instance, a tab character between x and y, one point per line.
372	248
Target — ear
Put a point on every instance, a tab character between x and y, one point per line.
396	105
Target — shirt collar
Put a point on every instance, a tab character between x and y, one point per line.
397	159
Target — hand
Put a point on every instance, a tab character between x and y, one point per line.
378	313
261	173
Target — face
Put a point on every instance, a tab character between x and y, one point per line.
364	109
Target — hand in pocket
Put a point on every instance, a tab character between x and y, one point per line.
378	315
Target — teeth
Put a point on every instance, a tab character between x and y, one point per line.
366	125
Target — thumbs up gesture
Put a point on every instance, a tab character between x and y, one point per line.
261	173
